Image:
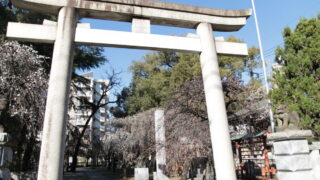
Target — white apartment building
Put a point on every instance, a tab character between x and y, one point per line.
79	112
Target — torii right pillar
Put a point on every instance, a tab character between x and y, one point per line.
218	122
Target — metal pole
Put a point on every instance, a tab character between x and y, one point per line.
263	63
54	126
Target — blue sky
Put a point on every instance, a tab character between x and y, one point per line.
273	16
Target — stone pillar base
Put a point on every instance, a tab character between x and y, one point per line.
315	159
141	173
291	152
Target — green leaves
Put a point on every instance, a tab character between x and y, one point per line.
158	76
161	75
298	82
87	57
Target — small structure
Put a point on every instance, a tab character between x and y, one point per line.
141	173
315	159
291	151
252	155
286	120
160	145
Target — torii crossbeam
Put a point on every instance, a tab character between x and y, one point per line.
65	33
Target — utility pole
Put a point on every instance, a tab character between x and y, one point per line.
263	64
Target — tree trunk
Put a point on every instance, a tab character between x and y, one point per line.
125	172
77	148
75	156
21	143
28	154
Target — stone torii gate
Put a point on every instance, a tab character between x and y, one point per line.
65	33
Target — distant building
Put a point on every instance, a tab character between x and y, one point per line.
276	67
90	90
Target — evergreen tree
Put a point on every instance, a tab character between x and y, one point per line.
298	82
161	74
121	110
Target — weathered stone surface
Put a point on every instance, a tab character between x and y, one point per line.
160	138
141	25
300	175
5	156
292	157
293	162
217	115
159	118
53	5
54	125
53	23
98	37
186	8
292	134
160	13
5	174
291	147
141	173
315	162
314	146
286	120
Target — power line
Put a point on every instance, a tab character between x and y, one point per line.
270	50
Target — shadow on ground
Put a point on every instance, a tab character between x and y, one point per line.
104	174
93	174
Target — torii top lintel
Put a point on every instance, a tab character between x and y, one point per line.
159	13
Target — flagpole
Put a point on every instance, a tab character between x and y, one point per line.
263	64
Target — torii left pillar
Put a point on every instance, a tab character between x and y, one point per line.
53	136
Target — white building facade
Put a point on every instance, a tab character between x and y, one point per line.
83	93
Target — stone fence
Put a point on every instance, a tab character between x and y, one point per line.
295	159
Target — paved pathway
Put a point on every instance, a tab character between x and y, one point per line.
92	174
103	174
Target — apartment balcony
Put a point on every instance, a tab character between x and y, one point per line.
83	113
102	110
83	94
81	122
102	128
102	119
